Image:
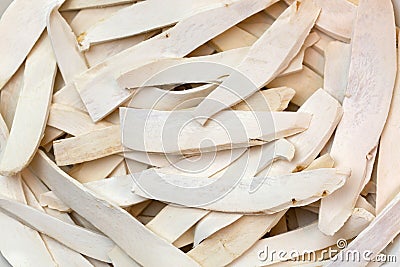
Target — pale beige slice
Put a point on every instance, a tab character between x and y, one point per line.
20	27
259	68
228	244
56	243
304	82
274	99
233	38
83	4
152	159
16	235
275	194
308	238
177	71
135	19
382	230
336	72
70	60
90	146
336	19
387	183
95	170
98	88
314	60
32	109
73	121
102	214
9	96
143	130
366	107
120	259
160	99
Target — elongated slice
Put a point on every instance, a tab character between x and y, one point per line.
98	88
159	99
73	121
259	68
275	194
314	61
366	108
301	240
70	60
83	4
120	259
375	237
9	96
32	109
90	146
102	214
305	83
21	26
152	159
134	19
72	236
17	236
336	72
226	245
171	132
388	185
336	19
168	71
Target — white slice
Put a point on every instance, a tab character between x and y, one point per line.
135	19
229	129
98	88
32	109
228	244
20	27
72	121
336	19
275	194
304	239
70	60
259	68
365	108
152	159
120	259
102	214
83	4
336	72
387	185
375	237
90	146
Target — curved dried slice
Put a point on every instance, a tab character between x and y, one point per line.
250	128
275	194
387	186
382	230
258	68
336	18
336	72
159	99
134	19
169	71
17	236
102	214
226	245
73	121
83	4
366	107
120	259
98	88
90	146
21	25
70	60
32	109
308	238
76	238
